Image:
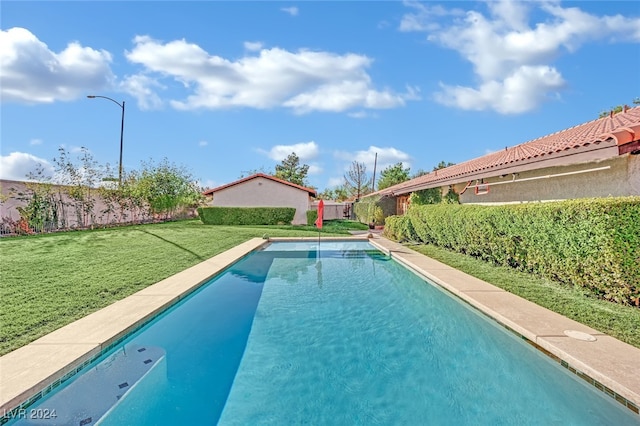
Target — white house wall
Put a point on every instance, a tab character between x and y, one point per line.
618	176
261	192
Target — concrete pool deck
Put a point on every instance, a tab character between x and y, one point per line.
32	370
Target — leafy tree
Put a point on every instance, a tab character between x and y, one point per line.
618	108
393	175
420	172
357	181
80	181
443	165
339	193
251	172
440	165
42	205
165	188
426	196
291	170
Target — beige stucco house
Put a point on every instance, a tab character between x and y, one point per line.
594	159
262	190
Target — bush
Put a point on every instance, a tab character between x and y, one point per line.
374	209
591	243
246	215
426	196
399	228
312	215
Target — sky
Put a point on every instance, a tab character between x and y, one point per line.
225	88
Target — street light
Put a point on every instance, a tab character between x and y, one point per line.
121	105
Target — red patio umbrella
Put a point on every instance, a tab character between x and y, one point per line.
318	222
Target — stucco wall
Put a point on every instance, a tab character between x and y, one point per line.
99	215
333	210
621	178
261	192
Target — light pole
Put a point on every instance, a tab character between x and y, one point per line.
121	105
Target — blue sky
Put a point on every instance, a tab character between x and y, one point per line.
224	88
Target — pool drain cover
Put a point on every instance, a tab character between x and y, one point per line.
579	335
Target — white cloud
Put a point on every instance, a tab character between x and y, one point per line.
304	81
305	151
293	11
358	114
315	169
17	165
424	17
520	92
32	73
344	95
386	157
142	87
203	143
35	141
512	57
253	46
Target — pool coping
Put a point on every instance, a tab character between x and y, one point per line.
31	371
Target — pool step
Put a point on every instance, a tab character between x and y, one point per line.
96	392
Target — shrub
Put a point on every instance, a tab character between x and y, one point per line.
591	243
374	209
246	215
399	228
426	196
312	215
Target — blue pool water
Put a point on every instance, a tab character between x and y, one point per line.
343	335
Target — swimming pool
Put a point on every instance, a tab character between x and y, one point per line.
342	335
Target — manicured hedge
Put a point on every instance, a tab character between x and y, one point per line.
374	209
312	215
592	243
246	215
399	228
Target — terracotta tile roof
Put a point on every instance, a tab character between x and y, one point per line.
311	192
623	128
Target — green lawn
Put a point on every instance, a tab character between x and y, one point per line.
50	280
621	322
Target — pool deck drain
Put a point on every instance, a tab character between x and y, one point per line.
30	371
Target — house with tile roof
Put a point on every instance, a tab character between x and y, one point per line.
262	190
595	159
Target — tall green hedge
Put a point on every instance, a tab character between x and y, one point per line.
312	215
374	209
592	243
399	228
246	215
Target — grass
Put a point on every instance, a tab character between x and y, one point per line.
621	322
50	280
